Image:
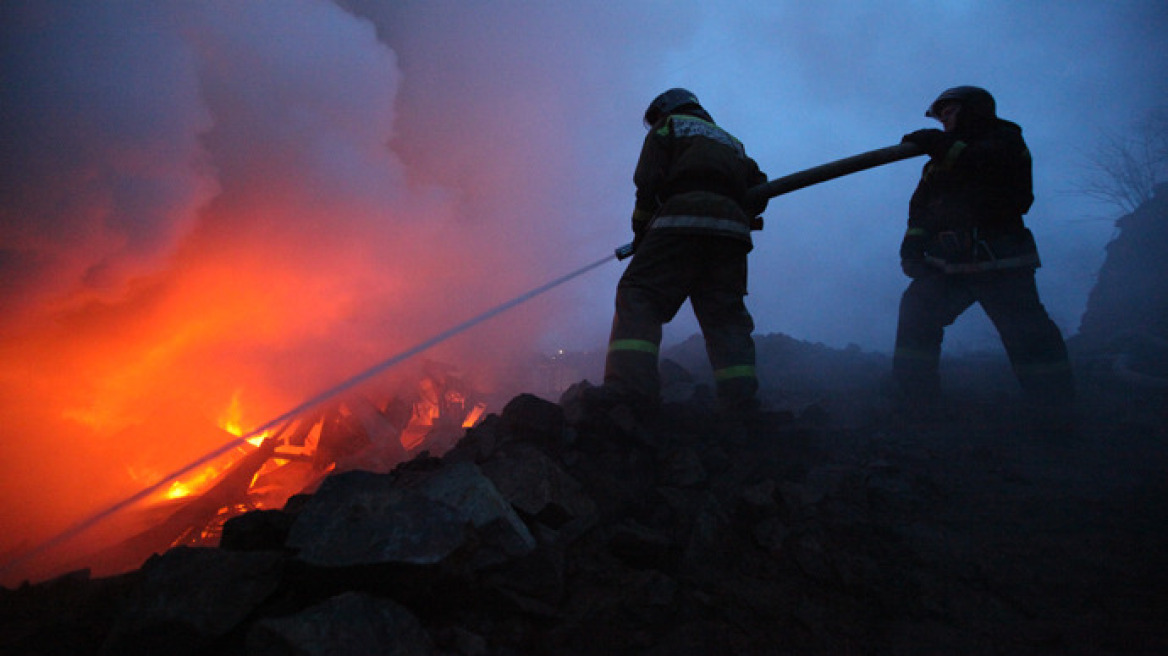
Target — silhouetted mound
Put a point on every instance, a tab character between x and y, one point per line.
1124	330
583	528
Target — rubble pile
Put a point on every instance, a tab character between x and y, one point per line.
575	528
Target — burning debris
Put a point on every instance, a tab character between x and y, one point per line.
571	528
260	473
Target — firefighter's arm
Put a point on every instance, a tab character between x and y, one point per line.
916	237
755	205
648	178
1001	164
989	153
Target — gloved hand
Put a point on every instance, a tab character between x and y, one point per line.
934	142
755	204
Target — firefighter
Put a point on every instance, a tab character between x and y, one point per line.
691	225
966	243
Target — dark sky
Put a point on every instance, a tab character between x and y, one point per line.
254	200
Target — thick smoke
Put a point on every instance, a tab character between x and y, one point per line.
252	201
104	173
203	202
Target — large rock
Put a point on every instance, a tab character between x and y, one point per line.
188	597
534	420
350	623
476	500
258	530
537	486
361	518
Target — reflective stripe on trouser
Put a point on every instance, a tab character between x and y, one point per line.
738	371
916	368
1032	341
631	367
637	345
736	382
667	269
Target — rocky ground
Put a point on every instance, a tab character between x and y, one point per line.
831	526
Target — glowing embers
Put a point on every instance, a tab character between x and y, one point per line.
476	413
355	432
232	421
185	487
438	414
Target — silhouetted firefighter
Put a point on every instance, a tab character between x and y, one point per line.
691	222
966	243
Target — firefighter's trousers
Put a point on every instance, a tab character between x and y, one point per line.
667	269
1037	352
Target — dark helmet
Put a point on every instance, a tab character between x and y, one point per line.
975	101
669	102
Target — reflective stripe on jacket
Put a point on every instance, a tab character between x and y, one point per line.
693	176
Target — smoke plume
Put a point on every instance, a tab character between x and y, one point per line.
203	205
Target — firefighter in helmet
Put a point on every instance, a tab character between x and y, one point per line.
966	243
691	225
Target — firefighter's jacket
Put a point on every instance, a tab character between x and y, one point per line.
692	177
966	213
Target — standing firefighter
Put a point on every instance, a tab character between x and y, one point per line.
691	227
966	243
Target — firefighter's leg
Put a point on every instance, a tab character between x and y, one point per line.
648	295
718	303
928	305
1032	340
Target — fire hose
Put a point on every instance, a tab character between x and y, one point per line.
815	175
771	189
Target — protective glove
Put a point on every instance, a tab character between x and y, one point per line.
755	204
934	142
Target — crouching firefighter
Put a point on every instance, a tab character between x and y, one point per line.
691	226
966	243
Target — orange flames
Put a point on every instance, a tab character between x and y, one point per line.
231	421
435	410
100	400
274	239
